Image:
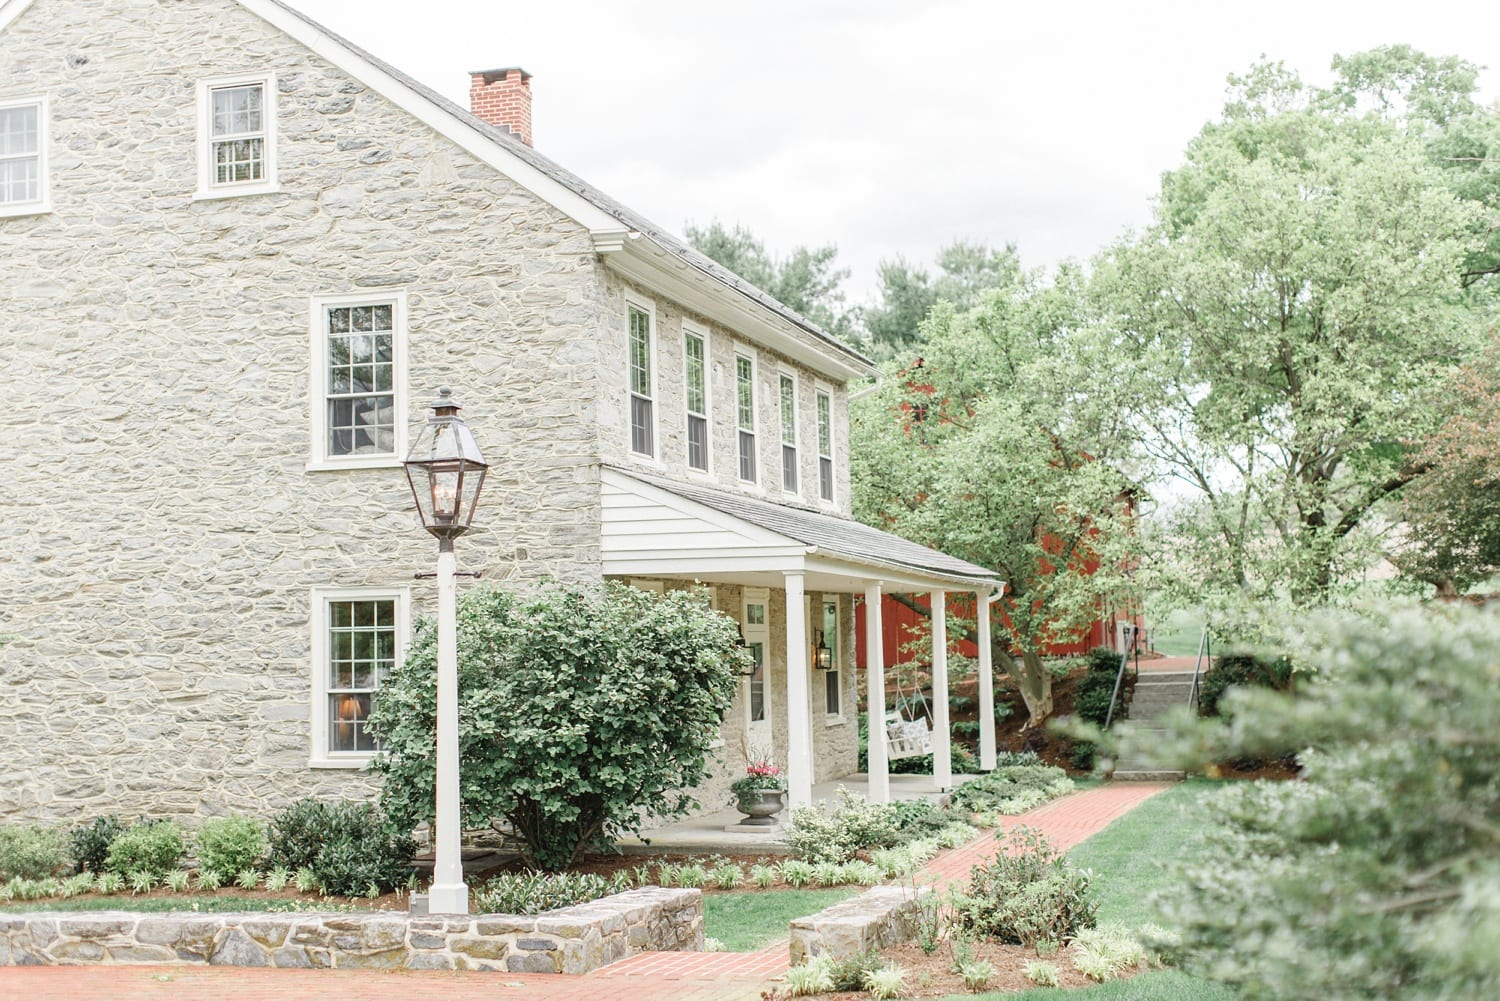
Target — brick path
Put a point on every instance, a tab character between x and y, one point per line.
652	976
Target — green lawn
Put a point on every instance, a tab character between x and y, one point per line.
1124	859
1177	635
751	920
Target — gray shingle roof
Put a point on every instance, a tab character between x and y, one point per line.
593	195
833	534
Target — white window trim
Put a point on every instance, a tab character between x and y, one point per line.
319	460
648	307
691	329
756	634
782	372
318	754
821	388
42	204
833	719
741	351
269	184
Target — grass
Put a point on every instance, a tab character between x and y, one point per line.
1165	985
1126	856
1177	635
158	905
748	921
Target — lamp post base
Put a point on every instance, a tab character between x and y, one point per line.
448	898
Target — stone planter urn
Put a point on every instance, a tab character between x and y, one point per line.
762	806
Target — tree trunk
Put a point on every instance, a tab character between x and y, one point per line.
1032	680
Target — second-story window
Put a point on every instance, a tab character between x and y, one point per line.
23	171
237	140
825	446
642	410
358	373
788	433
694	362
744	392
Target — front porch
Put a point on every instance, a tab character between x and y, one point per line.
664	530
706	834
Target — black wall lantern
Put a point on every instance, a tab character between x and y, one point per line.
822	655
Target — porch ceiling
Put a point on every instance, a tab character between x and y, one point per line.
663	528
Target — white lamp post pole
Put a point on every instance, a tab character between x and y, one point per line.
446	471
448	893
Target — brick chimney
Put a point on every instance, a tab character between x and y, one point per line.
503	97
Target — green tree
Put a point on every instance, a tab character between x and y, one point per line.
583	713
806	280
1378	874
984	450
965	271
1280	331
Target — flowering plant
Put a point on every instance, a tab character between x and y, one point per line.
760	773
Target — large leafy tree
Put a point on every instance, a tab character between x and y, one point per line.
965	271
983	449
807	279
1278	334
583	713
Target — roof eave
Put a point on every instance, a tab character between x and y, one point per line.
643	259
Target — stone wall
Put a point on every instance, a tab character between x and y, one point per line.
881	916
160	526
571	940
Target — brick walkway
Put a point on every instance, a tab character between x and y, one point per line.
651	976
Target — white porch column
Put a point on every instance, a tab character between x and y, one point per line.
942	752
879	767
799	763
986	683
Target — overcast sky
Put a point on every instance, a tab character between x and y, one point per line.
887	126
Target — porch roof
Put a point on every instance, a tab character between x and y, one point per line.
655	526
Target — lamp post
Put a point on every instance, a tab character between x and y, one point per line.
446	470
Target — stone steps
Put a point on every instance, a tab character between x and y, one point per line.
1155	695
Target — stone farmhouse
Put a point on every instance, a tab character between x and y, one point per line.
238	256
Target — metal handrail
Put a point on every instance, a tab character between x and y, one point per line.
1133	630
1205	649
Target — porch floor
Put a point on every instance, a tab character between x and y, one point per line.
706	833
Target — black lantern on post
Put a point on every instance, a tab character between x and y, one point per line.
446	470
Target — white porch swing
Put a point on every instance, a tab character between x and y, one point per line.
908	736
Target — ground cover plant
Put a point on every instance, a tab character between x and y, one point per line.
1012	789
586	713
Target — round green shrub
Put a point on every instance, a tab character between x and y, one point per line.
151	846
231	844
345	847
88	844
30	852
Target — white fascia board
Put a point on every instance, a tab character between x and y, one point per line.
607	231
12	10
894	577
659	269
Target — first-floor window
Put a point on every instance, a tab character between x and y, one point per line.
832	691
358	639
756	631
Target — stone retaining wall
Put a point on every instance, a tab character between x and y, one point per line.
879	917
571	940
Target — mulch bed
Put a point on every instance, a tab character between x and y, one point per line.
929	976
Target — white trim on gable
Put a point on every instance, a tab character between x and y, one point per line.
12	10
608	232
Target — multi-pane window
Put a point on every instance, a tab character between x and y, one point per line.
744	393
694	362
831	679
757	633
237	136
22	171
361	379
237	131
642	419
825	446
788	434
361	651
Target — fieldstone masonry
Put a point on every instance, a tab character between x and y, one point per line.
879	917
571	940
